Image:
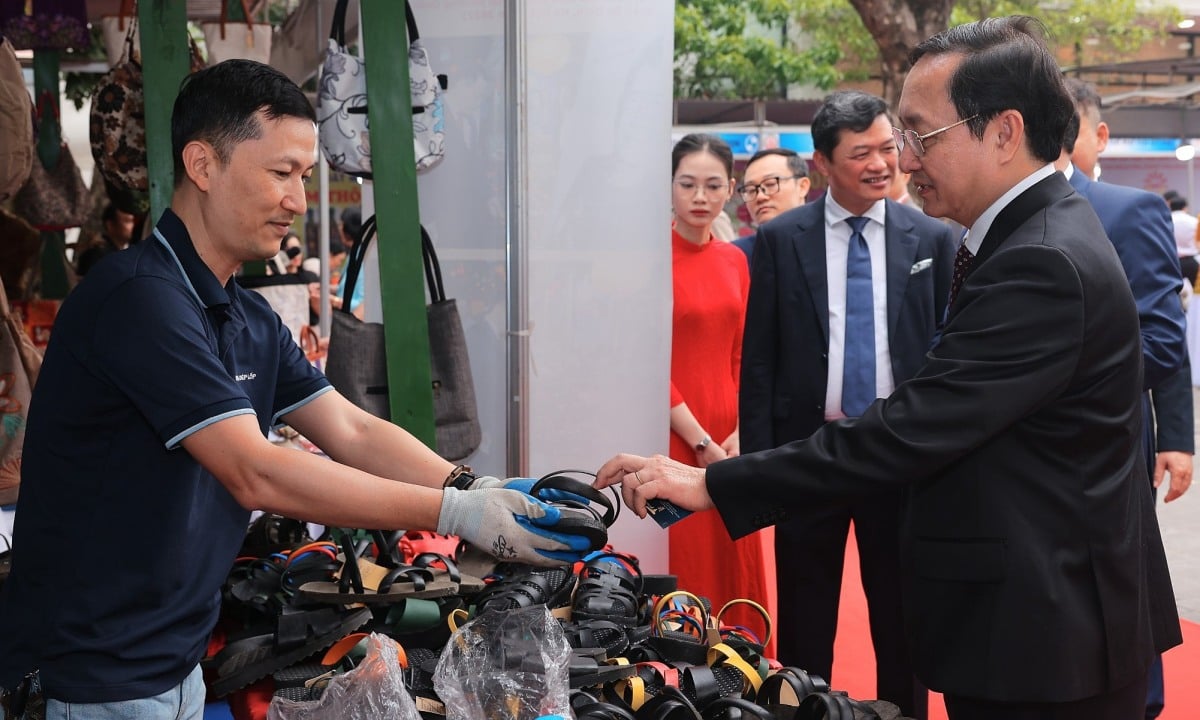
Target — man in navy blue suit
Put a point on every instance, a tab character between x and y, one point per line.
798	363
1139	225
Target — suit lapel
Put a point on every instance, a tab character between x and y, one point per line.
1023	207
901	251
808	242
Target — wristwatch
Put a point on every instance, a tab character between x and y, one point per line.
704	442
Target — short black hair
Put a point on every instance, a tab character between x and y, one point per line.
851	110
1006	66
109	214
1175	201
352	223
220	105
702	142
1087	100
795	163
1071	134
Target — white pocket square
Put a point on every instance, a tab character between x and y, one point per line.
920	265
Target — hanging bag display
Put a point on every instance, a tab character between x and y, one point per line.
20	362
454	410
356	363
247	40
115	30
118	128
342	102
118	131
16	124
53	198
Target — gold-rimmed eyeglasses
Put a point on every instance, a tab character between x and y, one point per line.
910	138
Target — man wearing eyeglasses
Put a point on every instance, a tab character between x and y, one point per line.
775	180
837	316
1035	582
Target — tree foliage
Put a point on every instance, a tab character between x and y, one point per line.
857	39
1083	31
715	57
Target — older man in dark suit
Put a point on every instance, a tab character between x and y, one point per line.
798	363
1035	582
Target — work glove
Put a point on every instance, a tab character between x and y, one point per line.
525	485
509	525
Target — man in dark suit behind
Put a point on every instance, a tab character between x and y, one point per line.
1035	582
794	361
1140	227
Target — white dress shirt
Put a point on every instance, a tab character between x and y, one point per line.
837	244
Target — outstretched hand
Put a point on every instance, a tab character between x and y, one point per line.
643	479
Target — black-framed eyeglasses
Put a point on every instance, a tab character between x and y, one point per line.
910	138
768	187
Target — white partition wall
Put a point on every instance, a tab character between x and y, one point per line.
570	204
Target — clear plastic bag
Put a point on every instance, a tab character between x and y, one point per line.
375	689
509	665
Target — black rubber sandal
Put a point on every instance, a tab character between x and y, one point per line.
609	587
523	586
295	637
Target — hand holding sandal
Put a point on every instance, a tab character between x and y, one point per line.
510	525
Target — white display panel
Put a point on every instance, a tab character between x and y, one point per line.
596	114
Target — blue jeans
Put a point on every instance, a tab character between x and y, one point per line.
185	701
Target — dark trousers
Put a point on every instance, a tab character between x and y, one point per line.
1127	703
809	557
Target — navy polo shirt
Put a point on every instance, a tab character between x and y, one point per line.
121	539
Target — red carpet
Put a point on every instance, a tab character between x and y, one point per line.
854	661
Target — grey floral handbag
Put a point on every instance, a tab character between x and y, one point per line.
342	102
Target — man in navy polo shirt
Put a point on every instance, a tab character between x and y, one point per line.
146	445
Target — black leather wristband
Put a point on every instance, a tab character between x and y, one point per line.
460	478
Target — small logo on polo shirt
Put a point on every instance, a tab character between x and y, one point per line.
245	376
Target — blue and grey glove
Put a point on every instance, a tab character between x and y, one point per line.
509	525
525	485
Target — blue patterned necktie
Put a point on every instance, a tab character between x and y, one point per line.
858	364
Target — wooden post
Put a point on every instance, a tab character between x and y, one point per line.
54	284
166	60
401	274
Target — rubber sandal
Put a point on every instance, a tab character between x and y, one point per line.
577	516
467	584
670	704
585	706
735	708
679	629
586	671
609	636
834	706
523	586
782	691
609	587
296	636
390	585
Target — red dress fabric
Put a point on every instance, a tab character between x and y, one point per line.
711	285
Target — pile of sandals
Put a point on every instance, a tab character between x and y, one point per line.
297	611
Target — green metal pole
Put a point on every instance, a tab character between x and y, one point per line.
55	284
401	274
166	60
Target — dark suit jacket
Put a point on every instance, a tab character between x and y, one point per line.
785	346
1139	225
1029	536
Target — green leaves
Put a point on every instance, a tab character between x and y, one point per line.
740	49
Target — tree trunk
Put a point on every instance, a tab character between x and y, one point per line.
897	27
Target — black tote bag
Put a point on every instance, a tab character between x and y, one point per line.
357	361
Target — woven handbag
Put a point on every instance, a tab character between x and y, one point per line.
356	364
54	198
